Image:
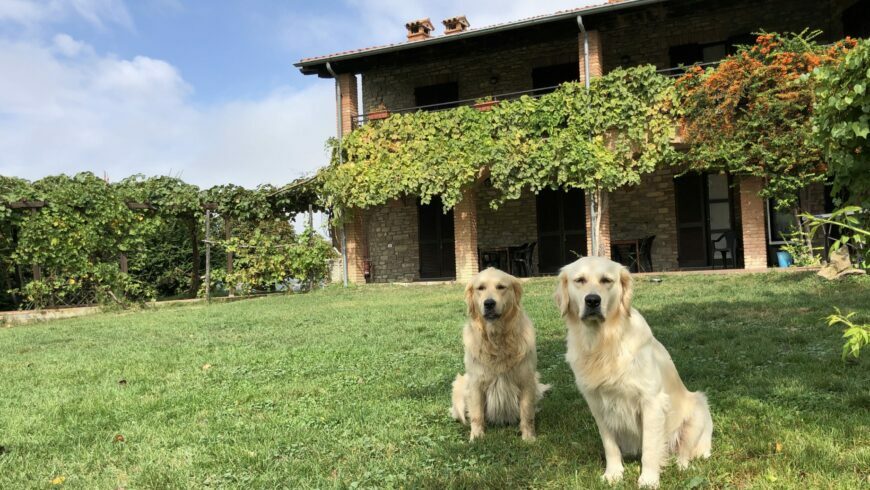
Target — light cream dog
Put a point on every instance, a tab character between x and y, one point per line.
626	376
500	384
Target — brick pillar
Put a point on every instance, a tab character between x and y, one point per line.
465	235
596	69
596	65
357	240
604	245
349	101
357	247
752	219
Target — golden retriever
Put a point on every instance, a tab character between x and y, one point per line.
626	376
500	384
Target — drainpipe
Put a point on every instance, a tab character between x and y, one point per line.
340	161
593	201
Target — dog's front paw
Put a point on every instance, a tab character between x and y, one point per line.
683	463
529	436
476	433
612	475
648	480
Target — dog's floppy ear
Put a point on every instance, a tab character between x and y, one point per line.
469	300
563	299
517	287
627	290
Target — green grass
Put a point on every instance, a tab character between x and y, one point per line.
344	388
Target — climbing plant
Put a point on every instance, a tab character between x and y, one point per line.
64	239
751	114
841	121
597	140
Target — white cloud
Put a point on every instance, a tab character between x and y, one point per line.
64	109
33	13
67	46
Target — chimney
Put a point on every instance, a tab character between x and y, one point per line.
419	29
455	24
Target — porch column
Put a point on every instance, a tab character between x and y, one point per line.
752	218
357	242
465	235
604	239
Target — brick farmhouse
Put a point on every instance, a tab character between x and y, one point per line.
688	215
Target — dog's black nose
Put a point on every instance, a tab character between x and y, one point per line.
489	304
593	300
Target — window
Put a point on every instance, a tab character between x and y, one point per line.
444	95
689	54
779	224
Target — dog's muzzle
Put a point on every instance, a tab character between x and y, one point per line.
593	306
489	310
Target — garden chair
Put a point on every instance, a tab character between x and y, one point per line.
522	258
642	258
726	245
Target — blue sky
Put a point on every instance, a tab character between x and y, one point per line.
204	89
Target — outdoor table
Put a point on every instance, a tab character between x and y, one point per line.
498	252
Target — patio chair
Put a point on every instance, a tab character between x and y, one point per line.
642	259
522	258
726	245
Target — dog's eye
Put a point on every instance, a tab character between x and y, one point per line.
606	280
481	288
501	286
580	280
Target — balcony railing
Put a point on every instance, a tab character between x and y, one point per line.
361	119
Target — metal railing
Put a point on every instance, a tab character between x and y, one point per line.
361	119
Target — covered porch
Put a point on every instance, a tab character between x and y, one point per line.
695	221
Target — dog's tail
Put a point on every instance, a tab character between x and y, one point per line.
457	411
542	388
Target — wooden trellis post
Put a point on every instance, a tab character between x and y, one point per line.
228	233
208	208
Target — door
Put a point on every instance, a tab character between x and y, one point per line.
704	214
691	221
561	228
437	254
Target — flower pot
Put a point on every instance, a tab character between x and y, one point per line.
784	259
378	115
485	105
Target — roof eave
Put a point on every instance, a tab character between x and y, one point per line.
310	67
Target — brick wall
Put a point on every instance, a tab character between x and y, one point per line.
393	241
648	209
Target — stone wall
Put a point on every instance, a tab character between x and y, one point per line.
478	74
627	39
648	209
645	35
393	241
513	223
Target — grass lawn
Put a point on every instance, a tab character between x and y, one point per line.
345	388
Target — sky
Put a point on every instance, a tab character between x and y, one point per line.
204	90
